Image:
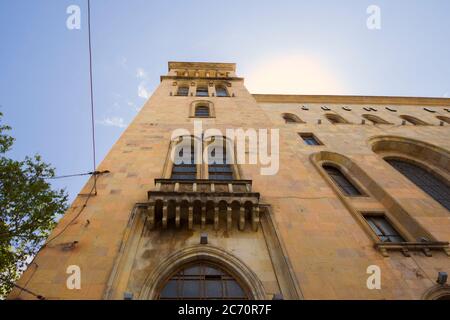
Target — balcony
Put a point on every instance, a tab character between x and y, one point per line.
187	203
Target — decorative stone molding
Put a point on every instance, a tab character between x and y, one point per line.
202	103
437	292
208	253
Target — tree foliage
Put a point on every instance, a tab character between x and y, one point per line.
28	209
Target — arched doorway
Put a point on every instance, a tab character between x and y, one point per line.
214	274
202	280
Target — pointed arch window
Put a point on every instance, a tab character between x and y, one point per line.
219	167
434	186
202	281
184	167
346	186
413	120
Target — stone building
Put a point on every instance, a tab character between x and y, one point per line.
362	189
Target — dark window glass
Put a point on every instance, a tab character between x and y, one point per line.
202	92
170	290
183	91
221	92
428	182
383	229
202	281
202	111
341	180
310	139
187	169
219	170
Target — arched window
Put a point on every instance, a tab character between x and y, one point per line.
202	281
183	91
219	162
414	120
184	167
221	91
444	118
202	112
375	119
434	186
291	118
336	119
342	181
202	91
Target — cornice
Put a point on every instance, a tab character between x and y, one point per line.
338	99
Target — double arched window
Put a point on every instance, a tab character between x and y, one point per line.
190	158
431	184
202	281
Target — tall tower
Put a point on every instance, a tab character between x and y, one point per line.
350	187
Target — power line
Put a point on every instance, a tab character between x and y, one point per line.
92	95
73	219
77	175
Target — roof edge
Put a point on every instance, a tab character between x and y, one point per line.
348	99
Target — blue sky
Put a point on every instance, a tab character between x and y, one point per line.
44	80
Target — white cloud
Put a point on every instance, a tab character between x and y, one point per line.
141	74
113	122
143	92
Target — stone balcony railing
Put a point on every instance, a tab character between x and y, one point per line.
175	203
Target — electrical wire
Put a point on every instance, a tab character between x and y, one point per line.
77	175
73	219
92	95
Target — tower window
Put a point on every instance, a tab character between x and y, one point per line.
310	139
202	92
183	91
202	112
221	91
428	182
342	181
382	228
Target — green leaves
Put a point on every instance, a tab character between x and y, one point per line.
28	209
